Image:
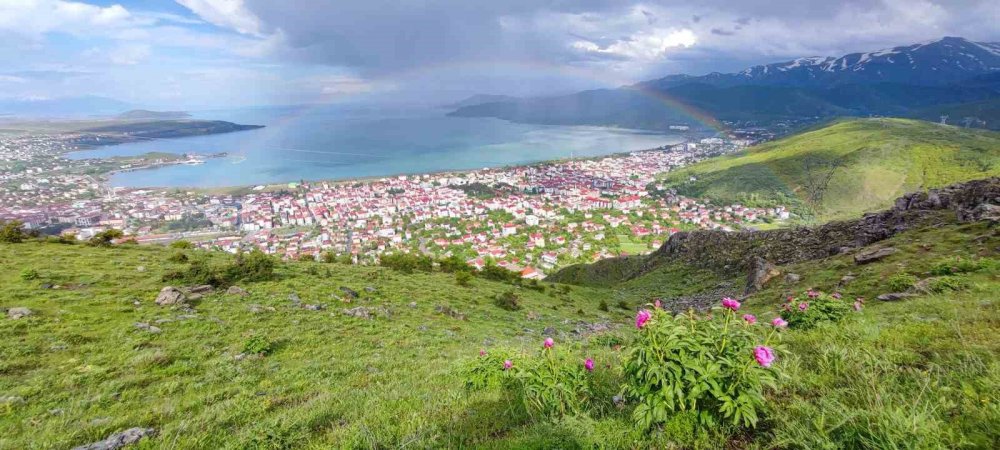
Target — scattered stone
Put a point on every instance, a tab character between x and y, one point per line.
532	315
317	307
260	309
792	278
448	311
169	296
351	293
413	304
46	286
874	255
162	321
201	289
194	297
19	312
294	298
240	357
11	400
57	411
360	311
238	291
370	289
895	296
147	327
140	269
119	440
549	331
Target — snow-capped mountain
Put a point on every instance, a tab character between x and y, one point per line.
944	61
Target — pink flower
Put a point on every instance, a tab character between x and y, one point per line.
763	355
786	307
641	318
789	299
812	294
589	365
729	303
482	353
779	322
658	304
750	318
836	295
549	343
508	364
803	306
857	306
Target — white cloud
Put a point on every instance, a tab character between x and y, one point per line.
232	14
645	46
129	54
33	18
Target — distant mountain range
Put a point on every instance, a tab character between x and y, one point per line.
88	105
921	80
143	114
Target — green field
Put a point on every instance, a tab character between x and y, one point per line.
914	374
846	168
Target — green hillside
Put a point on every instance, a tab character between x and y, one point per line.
920	373
846	168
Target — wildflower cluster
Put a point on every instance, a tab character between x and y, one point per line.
716	367
814	307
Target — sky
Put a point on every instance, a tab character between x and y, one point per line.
198	54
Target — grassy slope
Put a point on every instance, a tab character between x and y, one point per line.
916	374
882	159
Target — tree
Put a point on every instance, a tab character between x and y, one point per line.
104	238
12	232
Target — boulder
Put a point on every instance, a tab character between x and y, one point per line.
760	272
874	255
895	296
350	293
119	440
792	278
238	291
201	289
19	312
169	296
147	327
317	307
360	312
549	331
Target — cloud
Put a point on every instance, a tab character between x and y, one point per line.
643	46
33	18
231	14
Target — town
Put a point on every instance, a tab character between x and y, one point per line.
529	219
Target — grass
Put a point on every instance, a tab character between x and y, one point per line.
914	374
880	159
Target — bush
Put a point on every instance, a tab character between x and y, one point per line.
901	282
104	238
463	278
29	274
947	284
812	308
178	257
954	266
182	245
622	304
258	345
407	263
307	257
253	266
67	239
12	232
700	365
603	306
454	263
508	301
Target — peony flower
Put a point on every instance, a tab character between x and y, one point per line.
730	303
786	307
779	322
812	294
803	306
641	318
482	353
508	364
549	343
750	318
789	299
857	306
658	304
763	355
589	365
836	295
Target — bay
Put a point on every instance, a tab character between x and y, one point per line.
329	143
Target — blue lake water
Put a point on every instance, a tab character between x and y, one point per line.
327	143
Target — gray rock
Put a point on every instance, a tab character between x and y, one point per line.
413	304
760	272
549	331
370	289
792	278
201	289
170	296
895	296
360	312
317	307
350	293
119	440
19	312
294	298
260	309
238	291
11	400
147	327
874	255
449	311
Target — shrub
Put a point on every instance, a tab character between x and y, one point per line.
454	263
12	232
307	257
258	345
178	257
182	245
901	282
954	266
812	308
253	266
497	273
104	238
29	274
603	306
947	284
328	257
67	239
508	300
700	365
463	278
407	263
622	304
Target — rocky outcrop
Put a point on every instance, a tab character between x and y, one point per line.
170	296
19	312
119	440
760	272
874	255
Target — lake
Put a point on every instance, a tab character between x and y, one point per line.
337	143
